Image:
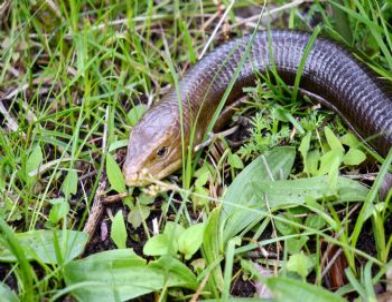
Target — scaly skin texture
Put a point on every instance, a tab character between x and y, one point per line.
331	75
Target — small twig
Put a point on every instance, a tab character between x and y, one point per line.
13	71
4	9
389	279
324	259
22	88
142	18
203	283
96	210
54	8
87	175
15	92
206	143
209	21
155	226
365	176
293	133
45	167
11	124
228	9
114	198
213	136
331	262
268	15
98	206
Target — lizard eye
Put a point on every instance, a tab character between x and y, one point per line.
162	152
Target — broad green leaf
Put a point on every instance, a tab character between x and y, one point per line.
284	193
203	174
34	160
333	172
350	140
173	230
273	165
200	196
121	275
115	176
290	290
300	264
235	161
333	141
145	199
280	114
59	210
318	209
354	157
180	273
118	144
242	201
191	239
41	245
118	231
313	162
288	193
315	222
7	294
328	160
304	149
158	245
165	243
205	168
286	228
331	161
136	113
138	214
70	184
295	245
212	248
81	47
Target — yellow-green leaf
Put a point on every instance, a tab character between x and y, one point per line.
354	157
113	171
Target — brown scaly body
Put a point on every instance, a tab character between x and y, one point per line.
331	75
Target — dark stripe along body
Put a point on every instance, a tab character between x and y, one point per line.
331	75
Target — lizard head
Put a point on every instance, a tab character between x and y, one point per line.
154	149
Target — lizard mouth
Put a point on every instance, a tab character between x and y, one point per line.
145	177
134	180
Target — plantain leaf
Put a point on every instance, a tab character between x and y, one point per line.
121	275
191	239
70	184
290	290
45	246
241	201
118	231
7	294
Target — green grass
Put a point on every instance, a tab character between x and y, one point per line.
70	74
